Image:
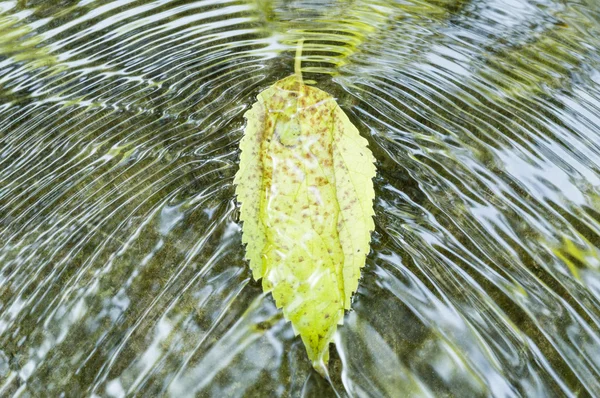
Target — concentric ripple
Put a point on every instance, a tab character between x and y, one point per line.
121	263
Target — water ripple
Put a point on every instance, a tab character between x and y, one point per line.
121	264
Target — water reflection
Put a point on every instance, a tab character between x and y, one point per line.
121	266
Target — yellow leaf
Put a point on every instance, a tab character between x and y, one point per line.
306	193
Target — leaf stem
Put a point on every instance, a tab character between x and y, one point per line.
298	61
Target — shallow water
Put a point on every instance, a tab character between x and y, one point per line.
121	263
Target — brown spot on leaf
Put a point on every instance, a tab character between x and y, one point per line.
320	181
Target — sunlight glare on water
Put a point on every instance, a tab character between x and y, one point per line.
122	270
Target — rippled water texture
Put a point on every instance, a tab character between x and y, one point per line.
121	263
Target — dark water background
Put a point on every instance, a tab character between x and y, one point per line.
121	264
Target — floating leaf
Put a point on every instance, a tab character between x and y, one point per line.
306	193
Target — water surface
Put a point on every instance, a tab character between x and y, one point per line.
121	263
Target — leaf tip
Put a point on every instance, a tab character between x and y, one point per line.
320	364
